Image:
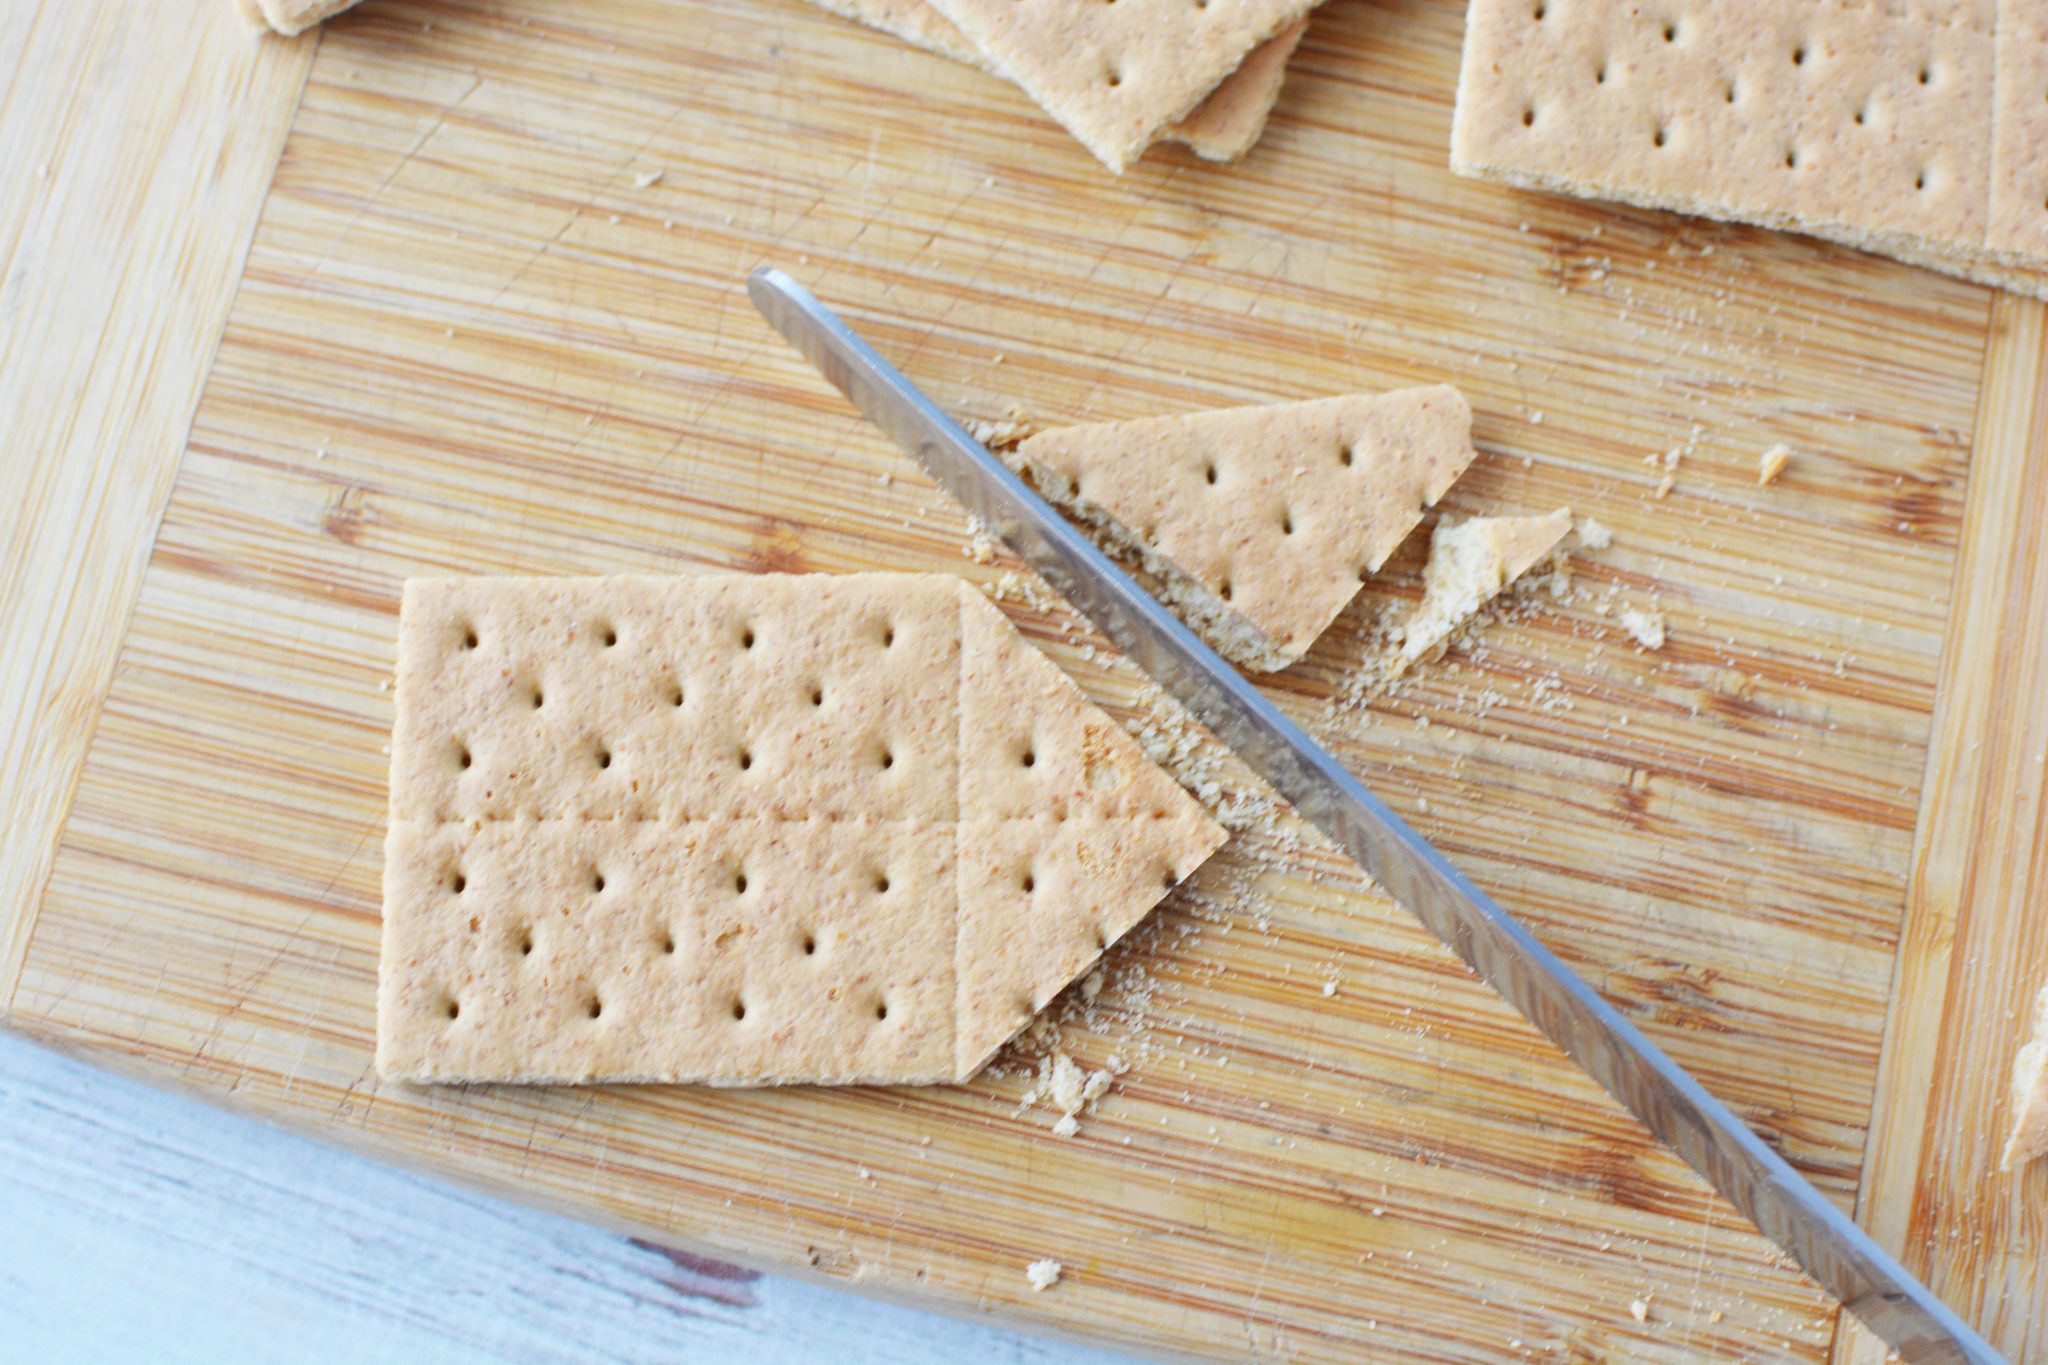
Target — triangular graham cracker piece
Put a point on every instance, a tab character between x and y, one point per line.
1069	833
746	830
1114	75
1469	564
1222	127
1261	522
2029	1136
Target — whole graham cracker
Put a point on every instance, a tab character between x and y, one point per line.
1115	75
745	830
1222	127
1871	124
1261	522
1469	564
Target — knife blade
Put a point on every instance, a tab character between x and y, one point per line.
1681	1113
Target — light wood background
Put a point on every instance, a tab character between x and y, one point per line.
466	338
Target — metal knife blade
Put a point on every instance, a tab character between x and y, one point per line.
1668	1101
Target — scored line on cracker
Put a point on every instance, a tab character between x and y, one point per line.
747	830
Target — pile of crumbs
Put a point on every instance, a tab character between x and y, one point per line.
1067	1088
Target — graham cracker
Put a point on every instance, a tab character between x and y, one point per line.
1261	522
2018	233
1114	75
1222	127
1058	807
290	17
740	830
1469	564
1871	124
2029	1135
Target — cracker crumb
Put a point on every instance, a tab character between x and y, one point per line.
1042	1274
1639	1310
1771	464
1593	535
1664	487
1005	432
647	180
1647	627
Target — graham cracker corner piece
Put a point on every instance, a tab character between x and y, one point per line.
1115	75
1470	563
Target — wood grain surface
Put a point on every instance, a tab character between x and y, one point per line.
140	141
1975	939
475	335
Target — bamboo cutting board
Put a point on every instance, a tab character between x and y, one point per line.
477	333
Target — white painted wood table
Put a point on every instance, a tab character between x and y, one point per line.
137	1225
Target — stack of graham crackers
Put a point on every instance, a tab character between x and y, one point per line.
1119	75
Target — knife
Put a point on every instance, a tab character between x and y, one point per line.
1668	1101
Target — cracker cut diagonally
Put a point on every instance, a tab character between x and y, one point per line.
1261	522
746	830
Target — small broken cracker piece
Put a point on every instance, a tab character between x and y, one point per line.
291	17
1261	522
1043	1275
1771	464
2028	1137
710	829
1116	75
1222	127
1645	626
1469	564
